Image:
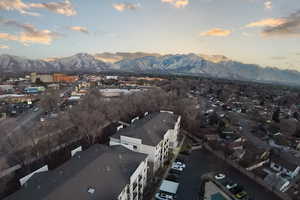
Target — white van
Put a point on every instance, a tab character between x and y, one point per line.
167	190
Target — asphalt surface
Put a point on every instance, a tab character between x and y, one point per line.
201	162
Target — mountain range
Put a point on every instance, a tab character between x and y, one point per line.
189	64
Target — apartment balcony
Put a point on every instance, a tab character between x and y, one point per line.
134	187
140	178
135	195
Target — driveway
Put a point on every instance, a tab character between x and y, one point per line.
201	162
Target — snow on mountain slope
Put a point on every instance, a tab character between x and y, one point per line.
80	62
173	64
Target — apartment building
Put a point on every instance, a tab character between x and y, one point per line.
155	135
101	172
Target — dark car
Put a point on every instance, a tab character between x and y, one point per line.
173	177
236	189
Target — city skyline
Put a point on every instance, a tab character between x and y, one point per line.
251	31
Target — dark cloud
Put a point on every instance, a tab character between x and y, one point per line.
290	27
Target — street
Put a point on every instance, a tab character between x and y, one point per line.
201	162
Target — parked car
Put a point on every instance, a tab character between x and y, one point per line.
179	164
173	177
176	167
231	185
174	171
236	189
241	195
220	176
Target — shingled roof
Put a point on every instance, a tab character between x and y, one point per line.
100	172
150	129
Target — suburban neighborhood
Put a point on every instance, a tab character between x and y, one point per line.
134	137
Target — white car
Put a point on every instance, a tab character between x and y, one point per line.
220	176
162	196
231	185
176	167
179	164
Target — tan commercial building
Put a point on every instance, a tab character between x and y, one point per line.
45	78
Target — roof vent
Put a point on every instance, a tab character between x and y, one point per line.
91	190
120	157
107	169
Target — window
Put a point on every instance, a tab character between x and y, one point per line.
134	147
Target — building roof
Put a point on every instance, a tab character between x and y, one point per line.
169	186
150	129
100	172
287	164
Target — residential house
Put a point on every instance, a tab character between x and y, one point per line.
277	182
284	167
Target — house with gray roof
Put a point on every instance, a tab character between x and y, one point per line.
100	172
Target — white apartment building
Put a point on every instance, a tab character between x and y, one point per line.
155	135
100	172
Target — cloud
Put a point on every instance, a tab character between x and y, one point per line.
177	3
270	22
79	29
63	8
278	58
289	27
29	33
216	32
16	5
125	6
4	46
7	36
246	34
268	5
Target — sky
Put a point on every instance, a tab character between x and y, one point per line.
264	32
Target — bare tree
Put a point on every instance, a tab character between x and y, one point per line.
50	101
89	123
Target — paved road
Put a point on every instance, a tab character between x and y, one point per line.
201	162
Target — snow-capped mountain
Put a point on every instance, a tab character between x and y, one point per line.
79	62
10	63
191	64
195	65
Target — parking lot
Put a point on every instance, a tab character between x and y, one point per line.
201	162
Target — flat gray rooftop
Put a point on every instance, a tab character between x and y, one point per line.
106	170
150	129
